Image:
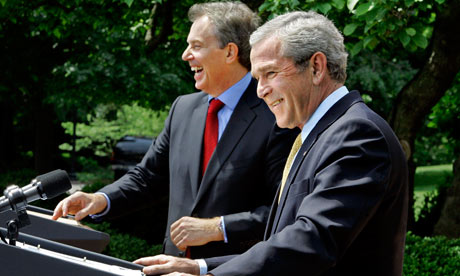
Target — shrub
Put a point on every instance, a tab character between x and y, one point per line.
125	246
431	256
19	177
430	211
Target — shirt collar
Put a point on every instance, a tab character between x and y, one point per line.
322	109
231	96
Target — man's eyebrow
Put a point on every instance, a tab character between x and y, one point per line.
264	68
194	41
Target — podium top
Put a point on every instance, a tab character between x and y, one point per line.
64	230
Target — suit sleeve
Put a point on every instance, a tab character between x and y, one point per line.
145	182
250	225
336	191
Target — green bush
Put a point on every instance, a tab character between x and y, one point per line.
431	256
110	123
20	177
430	211
125	246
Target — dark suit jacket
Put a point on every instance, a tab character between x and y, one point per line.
240	181
343	210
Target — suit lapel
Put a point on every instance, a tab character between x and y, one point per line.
241	119
195	142
335	112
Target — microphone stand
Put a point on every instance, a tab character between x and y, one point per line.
18	204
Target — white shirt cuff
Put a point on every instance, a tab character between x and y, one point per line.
224	232
107	209
203	266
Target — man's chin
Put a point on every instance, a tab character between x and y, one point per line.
282	124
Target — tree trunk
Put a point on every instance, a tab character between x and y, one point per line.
449	221
160	26
417	98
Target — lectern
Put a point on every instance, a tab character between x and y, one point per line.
36	256
62	231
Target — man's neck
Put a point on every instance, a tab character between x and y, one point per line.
232	77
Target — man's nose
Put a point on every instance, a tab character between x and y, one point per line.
186	55
262	89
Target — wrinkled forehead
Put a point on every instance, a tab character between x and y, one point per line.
265	54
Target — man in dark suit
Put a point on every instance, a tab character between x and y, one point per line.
342	205
220	206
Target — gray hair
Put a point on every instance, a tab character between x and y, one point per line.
233	22
304	33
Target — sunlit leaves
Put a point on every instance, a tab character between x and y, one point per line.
324	7
351	4
338	4
363	8
350	28
367	24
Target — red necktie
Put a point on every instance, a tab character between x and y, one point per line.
211	132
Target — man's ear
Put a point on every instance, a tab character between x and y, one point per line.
318	66
232	52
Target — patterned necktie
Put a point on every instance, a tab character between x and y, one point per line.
211	132
295	148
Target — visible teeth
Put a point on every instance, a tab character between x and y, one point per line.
196	68
275	103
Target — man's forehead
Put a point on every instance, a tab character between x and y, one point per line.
203	27
265	55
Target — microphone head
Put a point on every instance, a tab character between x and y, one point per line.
54	183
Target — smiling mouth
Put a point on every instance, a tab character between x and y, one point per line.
277	102
196	69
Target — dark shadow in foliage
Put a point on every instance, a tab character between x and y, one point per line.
148	224
431	211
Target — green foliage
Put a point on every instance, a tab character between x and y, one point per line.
102	131
68	57
19	177
371	24
125	246
439	139
378	80
430	191
429	212
95	178
431	256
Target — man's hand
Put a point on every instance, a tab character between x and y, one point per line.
188	231
162	264
80	204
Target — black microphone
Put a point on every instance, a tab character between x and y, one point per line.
44	186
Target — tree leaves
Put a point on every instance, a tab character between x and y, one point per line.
411	31
363	8
350	28
420	40
367	24
351	4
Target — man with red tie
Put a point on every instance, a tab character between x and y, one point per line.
220	155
